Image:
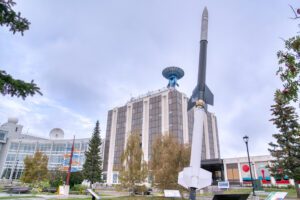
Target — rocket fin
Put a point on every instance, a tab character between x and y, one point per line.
208	96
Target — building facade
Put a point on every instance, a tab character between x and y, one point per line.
156	114
15	146
237	171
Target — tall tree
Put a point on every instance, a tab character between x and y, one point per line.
16	23
134	169
92	167
35	169
286	149
175	157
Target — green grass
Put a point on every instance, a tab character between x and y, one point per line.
238	191
291	191
17	197
291	194
124	198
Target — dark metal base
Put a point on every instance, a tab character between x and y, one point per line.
231	197
192	194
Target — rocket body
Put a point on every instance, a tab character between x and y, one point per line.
194	177
201	90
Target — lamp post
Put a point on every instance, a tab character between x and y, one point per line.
246	138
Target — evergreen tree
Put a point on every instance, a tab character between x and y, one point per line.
16	23
286	149
12	19
92	167
175	157
35	169
134	169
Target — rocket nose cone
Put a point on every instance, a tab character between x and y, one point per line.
205	12
204	25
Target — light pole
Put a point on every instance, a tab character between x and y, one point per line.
246	138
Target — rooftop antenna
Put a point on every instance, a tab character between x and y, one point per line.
173	74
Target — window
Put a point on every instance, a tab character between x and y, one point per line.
56	159
59	147
44	147
29	147
14	146
10	157
2	136
115	178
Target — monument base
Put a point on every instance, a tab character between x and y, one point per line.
64	190
231	197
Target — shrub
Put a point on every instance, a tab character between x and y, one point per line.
79	188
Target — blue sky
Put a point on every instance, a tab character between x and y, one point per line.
91	56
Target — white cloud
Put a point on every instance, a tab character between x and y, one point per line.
90	58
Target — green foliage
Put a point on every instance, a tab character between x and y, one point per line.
9	85
35	170
56	178
14	87
76	178
12	19
175	157
92	167
134	170
80	188
286	148
289	69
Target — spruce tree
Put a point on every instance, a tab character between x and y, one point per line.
286	149
92	167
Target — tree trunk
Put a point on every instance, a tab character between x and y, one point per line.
297	189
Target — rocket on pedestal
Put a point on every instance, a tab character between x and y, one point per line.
194	177
201	90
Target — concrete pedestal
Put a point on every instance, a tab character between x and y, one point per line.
64	190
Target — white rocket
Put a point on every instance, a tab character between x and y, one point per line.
194	177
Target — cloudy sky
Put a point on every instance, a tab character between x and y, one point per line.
90	56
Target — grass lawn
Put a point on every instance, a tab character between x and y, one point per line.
124	198
17	197
291	192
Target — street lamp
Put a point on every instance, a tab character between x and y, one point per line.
246	138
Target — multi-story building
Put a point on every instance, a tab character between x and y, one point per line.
15	146
157	113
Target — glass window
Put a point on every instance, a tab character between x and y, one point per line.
44	147
56	159
10	157
115	178
2	135
59	147
29	147
21	157
84	147
14	146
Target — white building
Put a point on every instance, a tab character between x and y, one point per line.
15	146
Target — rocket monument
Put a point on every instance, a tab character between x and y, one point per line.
194	177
